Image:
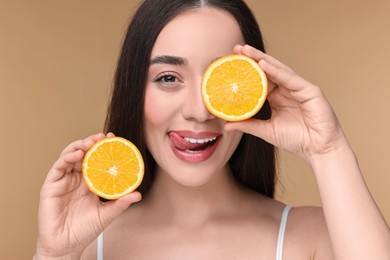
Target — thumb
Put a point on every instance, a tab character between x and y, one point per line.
256	127
111	209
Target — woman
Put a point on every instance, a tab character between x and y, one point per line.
210	201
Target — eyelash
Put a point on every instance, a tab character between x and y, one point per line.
166	76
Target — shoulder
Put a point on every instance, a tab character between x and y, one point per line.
306	222
307	215
307	233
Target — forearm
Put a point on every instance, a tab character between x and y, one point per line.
356	226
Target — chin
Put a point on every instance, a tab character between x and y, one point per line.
196	175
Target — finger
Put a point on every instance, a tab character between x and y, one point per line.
259	128
271	86
84	144
237	49
65	164
71	157
249	51
258	55
98	137
110	210
72	147
110	134
278	97
298	87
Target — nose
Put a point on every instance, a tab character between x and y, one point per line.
194	107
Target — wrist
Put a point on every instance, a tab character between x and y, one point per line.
54	252
42	256
64	257
341	153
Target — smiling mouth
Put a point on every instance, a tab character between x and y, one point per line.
191	144
197	145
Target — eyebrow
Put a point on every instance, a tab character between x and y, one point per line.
168	59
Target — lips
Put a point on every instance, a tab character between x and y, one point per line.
193	146
190	143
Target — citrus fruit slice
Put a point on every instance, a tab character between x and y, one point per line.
234	87
113	167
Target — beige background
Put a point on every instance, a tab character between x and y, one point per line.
57	60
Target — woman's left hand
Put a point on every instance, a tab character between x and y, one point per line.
302	120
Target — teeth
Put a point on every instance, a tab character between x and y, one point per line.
199	141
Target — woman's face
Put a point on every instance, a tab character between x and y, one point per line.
187	142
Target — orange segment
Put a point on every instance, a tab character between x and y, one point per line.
113	167
234	87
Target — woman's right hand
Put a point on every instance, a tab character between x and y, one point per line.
70	217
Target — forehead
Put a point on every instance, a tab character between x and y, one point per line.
199	32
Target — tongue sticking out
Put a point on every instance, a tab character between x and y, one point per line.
180	143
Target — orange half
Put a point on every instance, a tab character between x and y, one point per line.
234	87
113	167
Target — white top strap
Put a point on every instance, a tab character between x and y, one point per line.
282	230
100	247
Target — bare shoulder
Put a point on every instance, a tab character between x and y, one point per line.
307	233
307	216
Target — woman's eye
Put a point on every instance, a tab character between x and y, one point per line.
166	79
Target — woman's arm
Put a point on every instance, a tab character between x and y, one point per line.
356	226
304	123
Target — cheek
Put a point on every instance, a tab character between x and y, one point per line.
234	139
152	108
158	108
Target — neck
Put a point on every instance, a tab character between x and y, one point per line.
193	206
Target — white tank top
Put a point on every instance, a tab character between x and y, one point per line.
279	246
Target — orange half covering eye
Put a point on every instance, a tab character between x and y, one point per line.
234	87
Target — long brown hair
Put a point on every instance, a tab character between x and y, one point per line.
253	162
